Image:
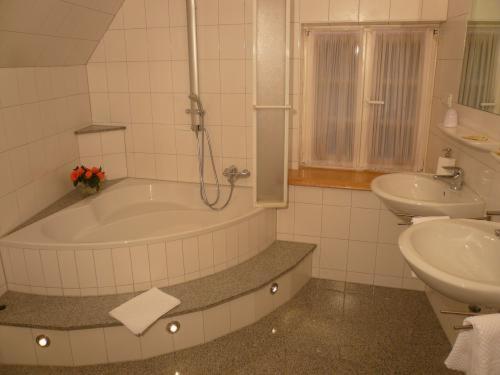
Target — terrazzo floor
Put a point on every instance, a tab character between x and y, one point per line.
328	328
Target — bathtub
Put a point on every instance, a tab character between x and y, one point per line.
134	235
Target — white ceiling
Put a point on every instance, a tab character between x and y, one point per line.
52	32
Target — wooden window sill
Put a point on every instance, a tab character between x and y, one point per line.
333	178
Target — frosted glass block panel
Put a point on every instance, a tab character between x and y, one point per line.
272	86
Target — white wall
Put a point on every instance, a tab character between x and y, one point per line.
356	236
482	172
39	110
138	77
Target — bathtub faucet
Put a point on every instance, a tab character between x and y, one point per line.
232	174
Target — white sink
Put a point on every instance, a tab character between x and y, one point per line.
459	258
419	194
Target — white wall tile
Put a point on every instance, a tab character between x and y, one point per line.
333	253
434	10
364	224
314	10
34	267
104	268
242	311
17	345
344	10
58	353
157	261
157	340
402	10
361	257
374	10
307	219
121	344
86	268
335	221
88	346
191	330
140	264
175	260
122	266
217	321
50	268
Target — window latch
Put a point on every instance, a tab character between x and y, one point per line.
375	102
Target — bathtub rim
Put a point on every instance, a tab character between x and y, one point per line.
126	243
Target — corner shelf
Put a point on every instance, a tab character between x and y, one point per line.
458	133
496	155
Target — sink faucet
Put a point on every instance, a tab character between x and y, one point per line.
456	180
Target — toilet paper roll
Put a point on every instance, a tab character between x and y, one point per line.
445	162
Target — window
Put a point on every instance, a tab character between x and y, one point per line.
367	97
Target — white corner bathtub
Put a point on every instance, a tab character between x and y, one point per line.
134	235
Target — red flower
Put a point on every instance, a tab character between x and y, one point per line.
101	176
88	174
74	175
95	170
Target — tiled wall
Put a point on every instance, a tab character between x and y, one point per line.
356	236
482	172
138	77
352	11
105	149
52	33
39	110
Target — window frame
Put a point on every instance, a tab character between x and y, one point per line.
428	74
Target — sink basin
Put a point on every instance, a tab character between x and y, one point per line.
459	258
419	194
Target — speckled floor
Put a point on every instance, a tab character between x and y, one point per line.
328	328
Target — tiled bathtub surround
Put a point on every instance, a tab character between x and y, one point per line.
356	236
106	149
138	76
74	272
117	344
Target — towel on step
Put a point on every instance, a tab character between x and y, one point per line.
423	219
477	351
138	313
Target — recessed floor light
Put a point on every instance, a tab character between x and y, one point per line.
274	288
42	341
173	327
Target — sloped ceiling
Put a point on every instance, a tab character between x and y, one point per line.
52	32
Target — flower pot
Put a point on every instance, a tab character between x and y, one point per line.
87	190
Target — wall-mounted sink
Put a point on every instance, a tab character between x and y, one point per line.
459	258
419	194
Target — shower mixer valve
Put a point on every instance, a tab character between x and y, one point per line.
232	174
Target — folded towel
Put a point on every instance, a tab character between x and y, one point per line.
143	310
422	219
477	351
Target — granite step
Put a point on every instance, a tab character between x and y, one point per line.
77	313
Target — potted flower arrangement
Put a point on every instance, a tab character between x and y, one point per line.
88	180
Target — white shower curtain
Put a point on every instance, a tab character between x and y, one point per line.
331	95
477	86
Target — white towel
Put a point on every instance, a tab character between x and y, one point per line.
138	313
423	219
477	351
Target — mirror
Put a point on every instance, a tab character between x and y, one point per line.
480	79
